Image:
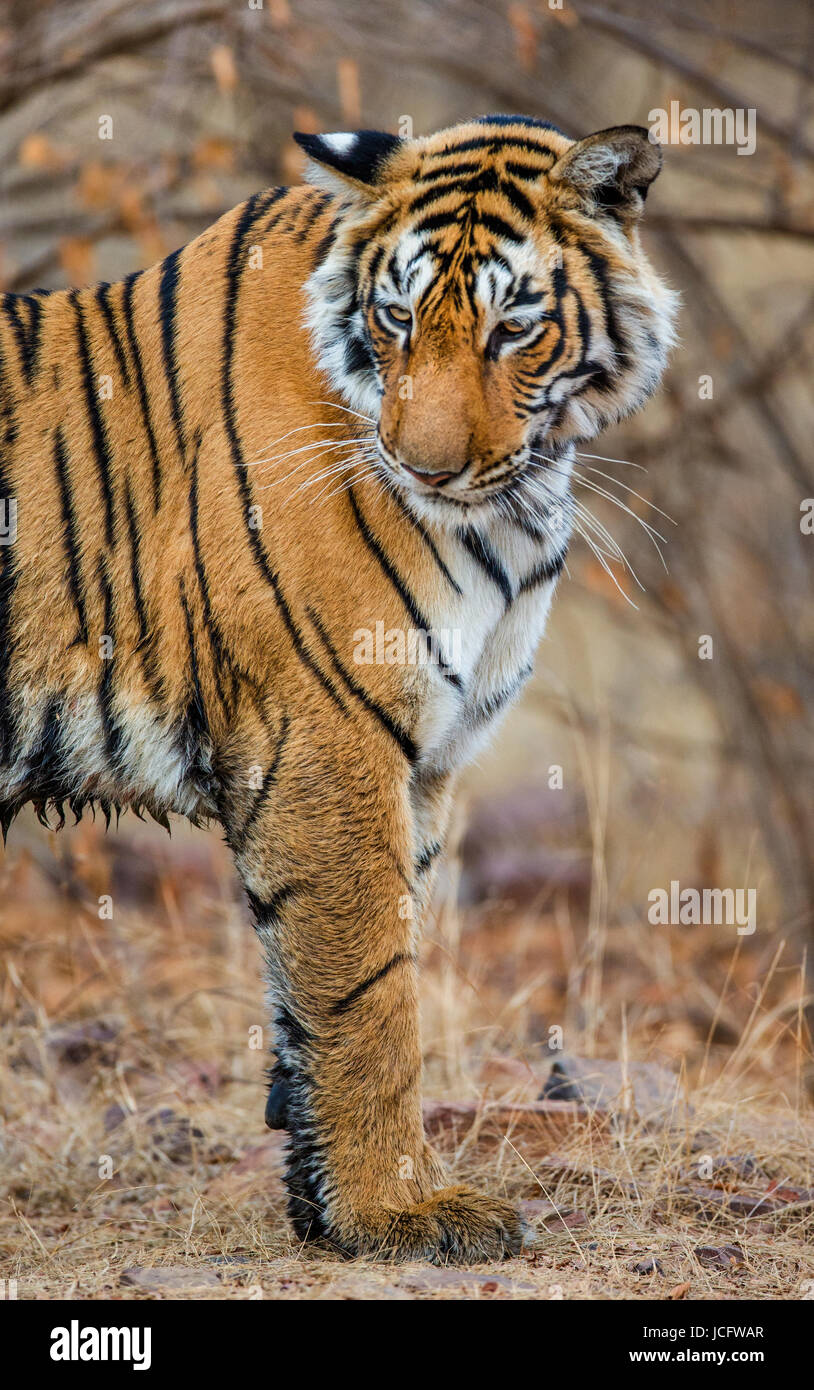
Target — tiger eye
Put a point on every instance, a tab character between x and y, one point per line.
399	313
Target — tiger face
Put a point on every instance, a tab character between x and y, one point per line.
485	301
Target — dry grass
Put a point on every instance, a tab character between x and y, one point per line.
130	1039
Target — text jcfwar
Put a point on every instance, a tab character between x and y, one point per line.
75	1343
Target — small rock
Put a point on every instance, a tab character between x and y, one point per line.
728	1170
552	1217
643	1088
720	1256
114	1116
173	1135
85	1041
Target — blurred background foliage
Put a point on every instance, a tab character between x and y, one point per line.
673	767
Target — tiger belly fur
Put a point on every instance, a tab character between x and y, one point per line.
341	410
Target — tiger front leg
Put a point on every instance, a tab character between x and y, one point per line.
330	867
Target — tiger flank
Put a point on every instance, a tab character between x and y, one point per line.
348	407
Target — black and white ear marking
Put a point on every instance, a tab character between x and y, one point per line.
613	168
358	157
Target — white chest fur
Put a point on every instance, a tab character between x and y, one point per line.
490	631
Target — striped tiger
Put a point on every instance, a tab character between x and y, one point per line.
284	515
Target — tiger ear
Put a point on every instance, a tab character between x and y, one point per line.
612	169
354	160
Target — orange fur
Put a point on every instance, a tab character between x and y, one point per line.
167	646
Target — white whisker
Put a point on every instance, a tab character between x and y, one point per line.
653	535
315	425
602	459
334	405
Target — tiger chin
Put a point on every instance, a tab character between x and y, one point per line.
348	408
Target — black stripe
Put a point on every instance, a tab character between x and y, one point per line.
498	140
101	444
437	191
256	205
543	573
146	639
499	227
504	118
127	310
8	583
456	169
358	355
46	757
70	529
485	556
601	272
399	870
583	321
194	739
525	295
267	910
268	781
434	222
402	738
27	335
318	205
342	1005
220	658
422	531
522	205
110	728
196	713
390	571
489	708
32	336
135	565
427	857
324	246
280	210
294	1032
522	169
167	304
103	300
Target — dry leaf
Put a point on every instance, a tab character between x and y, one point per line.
76	259
222	61
350	101
37	151
279	13
214	152
525	36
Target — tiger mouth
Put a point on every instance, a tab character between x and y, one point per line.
433	480
434	484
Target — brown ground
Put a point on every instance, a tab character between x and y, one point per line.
136	1039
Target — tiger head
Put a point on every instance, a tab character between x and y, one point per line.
483	299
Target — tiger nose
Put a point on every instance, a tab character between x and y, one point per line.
431	479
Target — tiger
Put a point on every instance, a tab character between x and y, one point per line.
283	519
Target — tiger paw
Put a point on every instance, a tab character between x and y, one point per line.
456	1225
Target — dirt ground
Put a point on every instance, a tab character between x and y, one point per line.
134	1163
